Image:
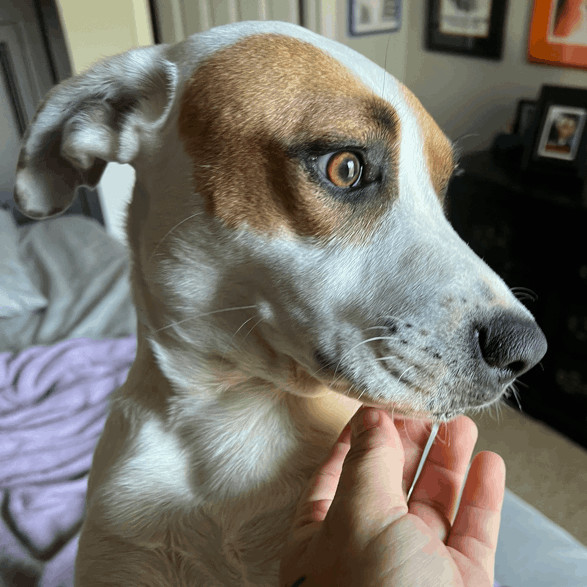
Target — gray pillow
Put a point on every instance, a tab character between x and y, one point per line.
18	295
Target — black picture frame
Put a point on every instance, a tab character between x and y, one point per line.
557	142
468	27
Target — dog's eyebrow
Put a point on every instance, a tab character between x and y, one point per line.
457	153
377	116
304	147
383	115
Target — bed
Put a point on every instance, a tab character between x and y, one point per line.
67	327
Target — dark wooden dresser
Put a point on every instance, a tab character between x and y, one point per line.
533	232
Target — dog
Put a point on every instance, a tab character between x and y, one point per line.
291	260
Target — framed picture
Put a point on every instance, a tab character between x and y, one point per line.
558	33
469	27
524	117
558	141
368	17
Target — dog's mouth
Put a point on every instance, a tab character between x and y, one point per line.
407	399
335	375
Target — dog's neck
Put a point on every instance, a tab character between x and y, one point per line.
241	435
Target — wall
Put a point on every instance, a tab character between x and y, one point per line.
473	99
100	29
387	50
94	30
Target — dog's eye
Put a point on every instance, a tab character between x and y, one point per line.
343	168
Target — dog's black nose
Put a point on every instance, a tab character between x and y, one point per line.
510	345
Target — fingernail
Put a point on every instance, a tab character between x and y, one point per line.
369	418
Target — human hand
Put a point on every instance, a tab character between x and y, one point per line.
353	525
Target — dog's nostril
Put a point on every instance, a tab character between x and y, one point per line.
517	367
510	344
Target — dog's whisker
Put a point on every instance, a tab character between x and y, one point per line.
385	65
169	232
239	328
369	340
318	371
519	382
524	293
234	335
446	440
202	315
522	296
498	408
253	327
400	377
385	358
405	426
457	143
356	346
378	328
516	397
337	379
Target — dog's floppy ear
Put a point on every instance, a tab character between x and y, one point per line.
87	121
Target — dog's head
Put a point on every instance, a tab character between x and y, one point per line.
287	223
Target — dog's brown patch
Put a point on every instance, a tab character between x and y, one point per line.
438	150
248	108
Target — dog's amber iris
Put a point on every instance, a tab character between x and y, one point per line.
343	169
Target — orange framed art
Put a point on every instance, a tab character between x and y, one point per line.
558	33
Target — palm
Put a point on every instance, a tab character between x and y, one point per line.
428	541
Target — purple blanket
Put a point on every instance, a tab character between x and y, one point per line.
53	405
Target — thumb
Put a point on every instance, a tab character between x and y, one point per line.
369	496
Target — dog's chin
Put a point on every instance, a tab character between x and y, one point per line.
405	409
401	399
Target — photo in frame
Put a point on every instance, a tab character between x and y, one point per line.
558	140
468	27
368	17
558	33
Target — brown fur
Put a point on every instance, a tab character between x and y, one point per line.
241	116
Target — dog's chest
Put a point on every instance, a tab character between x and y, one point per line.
231	548
229	542
215	507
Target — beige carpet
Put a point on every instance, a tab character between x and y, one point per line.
544	468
